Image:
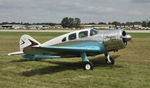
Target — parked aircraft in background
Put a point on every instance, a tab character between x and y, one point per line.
81	43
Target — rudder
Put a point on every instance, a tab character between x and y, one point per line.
26	41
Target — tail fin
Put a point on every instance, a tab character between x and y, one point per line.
26	41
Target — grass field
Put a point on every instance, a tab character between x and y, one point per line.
131	70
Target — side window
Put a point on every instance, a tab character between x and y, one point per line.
83	34
72	36
93	32
64	39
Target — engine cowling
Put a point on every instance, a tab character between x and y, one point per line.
115	40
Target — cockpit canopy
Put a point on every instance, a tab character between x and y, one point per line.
80	34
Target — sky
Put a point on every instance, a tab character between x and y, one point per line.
34	11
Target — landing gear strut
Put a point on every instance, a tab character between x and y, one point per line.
109	60
87	65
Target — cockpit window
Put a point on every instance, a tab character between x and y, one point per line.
72	36
83	34
93	32
64	39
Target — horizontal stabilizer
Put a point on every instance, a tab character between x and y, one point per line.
38	56
15	53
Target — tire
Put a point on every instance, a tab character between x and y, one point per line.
110	63
88	66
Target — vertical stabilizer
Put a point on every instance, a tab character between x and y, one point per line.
26	41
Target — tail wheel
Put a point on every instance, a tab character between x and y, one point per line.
88	65
110	62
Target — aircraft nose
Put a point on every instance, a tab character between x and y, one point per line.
128	37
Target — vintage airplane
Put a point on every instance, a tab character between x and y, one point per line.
81	43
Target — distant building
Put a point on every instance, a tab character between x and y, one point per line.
35	27
7	26
129	26
19	27
56	27
98	26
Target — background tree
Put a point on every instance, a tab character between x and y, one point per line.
70	22
137	23
115	23
101	23
65	22
148	24
77	22
144	24
92	23
128	23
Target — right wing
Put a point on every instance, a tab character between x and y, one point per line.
60	51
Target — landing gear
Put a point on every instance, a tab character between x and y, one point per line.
88	65
109	60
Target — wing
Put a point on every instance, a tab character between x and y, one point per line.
62	51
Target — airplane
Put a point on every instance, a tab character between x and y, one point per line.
80	43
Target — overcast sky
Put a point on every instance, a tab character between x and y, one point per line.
86	10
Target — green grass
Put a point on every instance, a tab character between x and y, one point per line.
131	70
140	35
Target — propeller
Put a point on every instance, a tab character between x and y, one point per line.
126	38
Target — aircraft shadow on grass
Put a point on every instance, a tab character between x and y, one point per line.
63	66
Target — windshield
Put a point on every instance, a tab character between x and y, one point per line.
93	32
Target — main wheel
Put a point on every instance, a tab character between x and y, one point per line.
88	65
111	62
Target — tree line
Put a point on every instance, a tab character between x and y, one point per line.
116	23
146	24
69	22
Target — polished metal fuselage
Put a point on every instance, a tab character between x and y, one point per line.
101	42
111	40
